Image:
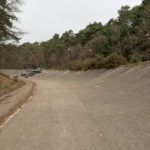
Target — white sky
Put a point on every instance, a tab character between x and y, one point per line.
40	19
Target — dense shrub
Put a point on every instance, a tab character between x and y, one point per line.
64	67
100	61
134	59
114	60
76	65
88	64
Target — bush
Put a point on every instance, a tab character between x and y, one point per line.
134	59
114	60
111	61
100	61
88	63
76	65
64	67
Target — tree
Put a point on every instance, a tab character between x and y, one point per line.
127	36
68	38
128	20
8	10
143	28
88	33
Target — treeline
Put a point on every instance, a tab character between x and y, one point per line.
121	40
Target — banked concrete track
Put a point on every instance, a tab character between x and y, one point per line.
93	110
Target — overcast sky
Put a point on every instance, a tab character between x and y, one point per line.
42	18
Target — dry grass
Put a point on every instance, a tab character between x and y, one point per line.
7	84
22	101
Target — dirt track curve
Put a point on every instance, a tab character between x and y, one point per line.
93	110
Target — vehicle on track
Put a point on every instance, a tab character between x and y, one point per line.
37	70
32	72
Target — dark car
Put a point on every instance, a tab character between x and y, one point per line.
29	74
37	70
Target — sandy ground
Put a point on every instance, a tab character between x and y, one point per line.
93	110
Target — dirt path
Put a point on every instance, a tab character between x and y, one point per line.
95	110
11	102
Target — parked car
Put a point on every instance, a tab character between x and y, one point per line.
37	70
29	73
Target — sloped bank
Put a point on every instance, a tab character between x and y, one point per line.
8	84
13	101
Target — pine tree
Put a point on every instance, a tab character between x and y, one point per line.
8	10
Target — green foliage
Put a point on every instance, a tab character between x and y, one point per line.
63	67
143	27
114	60
76	65
82	64
88	33
68	38
94	47
8	10
93	63
89	63
134	59
100	61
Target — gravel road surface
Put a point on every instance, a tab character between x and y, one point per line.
93	110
